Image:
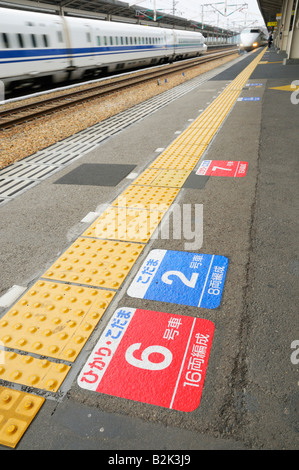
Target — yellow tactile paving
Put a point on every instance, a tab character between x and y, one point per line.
176	161
32	372
180	156
179	149
95	262
54	319
133	225
161	177
145	197
17	410
147	176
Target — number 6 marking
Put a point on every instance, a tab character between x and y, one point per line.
144	362
181	276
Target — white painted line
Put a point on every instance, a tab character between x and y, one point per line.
160	149
11	296
203	290
178	132
90	217
132	176
182	365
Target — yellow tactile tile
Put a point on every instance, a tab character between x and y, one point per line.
32	372
54	319
179	149
180	156
17	410
133	225
145	197
161	177
95	262
176	161
198	137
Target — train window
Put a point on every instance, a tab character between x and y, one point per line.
135	40
116	40
33	40
5	40
45	39
21	40
111	40
127	41
99	40
121	40
146	40
131	40
139	40
59	36
105	40
88	37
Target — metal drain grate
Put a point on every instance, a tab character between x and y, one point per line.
20	176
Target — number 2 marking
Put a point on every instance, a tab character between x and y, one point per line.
181	276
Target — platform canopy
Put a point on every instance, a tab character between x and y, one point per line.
269	9
114	10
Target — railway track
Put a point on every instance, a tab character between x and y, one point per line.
15	116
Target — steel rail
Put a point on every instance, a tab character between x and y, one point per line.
15	116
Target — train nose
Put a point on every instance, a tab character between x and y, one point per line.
248	40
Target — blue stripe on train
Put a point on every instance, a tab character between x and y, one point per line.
24	55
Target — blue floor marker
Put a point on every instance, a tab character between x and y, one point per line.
181	277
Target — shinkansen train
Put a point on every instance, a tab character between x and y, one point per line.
41	47
252	38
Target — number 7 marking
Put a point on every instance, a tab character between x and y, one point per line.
219	168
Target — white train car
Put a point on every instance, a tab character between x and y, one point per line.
37	46
252	38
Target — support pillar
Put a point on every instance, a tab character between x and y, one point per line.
293	42
286	26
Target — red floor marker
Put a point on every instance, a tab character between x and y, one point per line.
151	357
223	168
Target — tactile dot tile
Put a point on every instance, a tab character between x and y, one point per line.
179	150
175	161
148	176
95	262
169	178
54	319
32	372
17	410
145	197
125	224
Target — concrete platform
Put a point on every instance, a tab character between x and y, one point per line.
250	394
